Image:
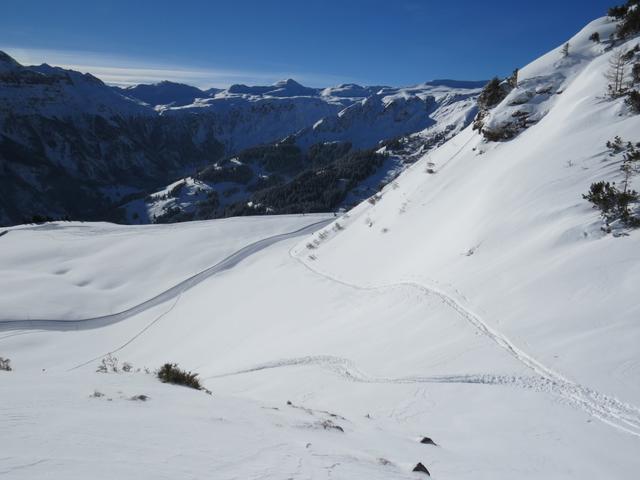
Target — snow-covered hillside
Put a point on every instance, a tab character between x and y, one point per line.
165	93
361	115
71	146
477	301
415	119
391	113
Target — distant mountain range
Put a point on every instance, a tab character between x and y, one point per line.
71	146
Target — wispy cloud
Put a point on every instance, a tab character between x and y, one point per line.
122	70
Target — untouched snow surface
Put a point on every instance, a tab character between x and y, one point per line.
480	306
85	270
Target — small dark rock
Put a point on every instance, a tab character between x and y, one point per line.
289	402
142	398
421	468
428	441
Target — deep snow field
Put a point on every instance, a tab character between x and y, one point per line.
481	306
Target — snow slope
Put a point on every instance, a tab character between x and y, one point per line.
525	233
69	272
476	302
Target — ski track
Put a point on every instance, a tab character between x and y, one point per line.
169	294
132	339
609	410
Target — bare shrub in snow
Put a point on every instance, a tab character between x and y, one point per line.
140	398
170	373
5	364
613	203
615	146
595	37
565	50
108	364
329	425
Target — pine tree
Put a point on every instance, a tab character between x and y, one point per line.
630	21
513	79
565	50
615	75
492	94
633	100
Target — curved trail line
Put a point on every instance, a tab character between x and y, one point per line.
174	292
348	370
132	339
613	412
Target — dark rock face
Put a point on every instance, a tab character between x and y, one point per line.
428	441
421	468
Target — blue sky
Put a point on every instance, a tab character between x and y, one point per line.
216	43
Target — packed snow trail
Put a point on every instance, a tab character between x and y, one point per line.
609	410
605	409
169	294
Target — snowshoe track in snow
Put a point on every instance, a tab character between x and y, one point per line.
607	409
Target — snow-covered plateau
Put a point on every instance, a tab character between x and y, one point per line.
478	316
